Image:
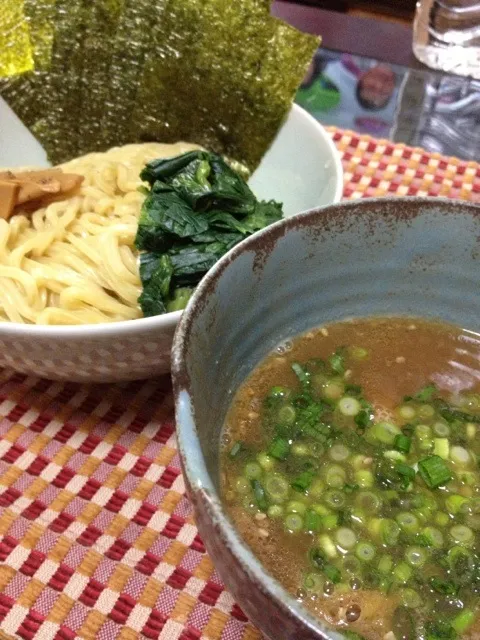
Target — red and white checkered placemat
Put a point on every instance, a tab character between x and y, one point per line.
97	538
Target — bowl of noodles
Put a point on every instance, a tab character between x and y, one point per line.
69	270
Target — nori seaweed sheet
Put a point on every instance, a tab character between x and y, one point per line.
219	73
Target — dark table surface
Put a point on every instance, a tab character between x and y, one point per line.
365	77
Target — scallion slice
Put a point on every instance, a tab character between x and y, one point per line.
402	443
279	449
312	521
259	495
434	472
303	481
236	449
332	573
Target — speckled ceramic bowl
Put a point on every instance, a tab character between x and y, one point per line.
410	256
302	169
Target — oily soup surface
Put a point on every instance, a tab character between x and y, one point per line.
364	504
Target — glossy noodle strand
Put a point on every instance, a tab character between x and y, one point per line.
74	261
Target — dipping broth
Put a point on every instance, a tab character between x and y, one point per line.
350	466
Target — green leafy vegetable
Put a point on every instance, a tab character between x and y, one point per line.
197	208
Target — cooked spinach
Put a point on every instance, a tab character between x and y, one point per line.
196	209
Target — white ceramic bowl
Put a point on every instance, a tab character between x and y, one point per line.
302	169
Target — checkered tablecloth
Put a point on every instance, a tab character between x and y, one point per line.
97	537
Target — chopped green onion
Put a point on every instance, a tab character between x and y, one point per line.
407	473
395	455
295	506
359	353
385	564
259	495
461	563
339	452
353	390
277	488
349	406
294	522
407	412
275	511
286	415
416	556
445	587
358	517
312	521
303	481
265	461
316	557
407	521
365	551
440	630
434	472
402	572
242	485
425	412
363	419
364	479
460	455
423	431
441	429
335	476
390	531
333	390
300	449
236	449
301	373
330	522
454	503
327	546
314	582
410	598
441	519
279	393
385	432
351	564
332	573
368	501
402	443
441	447
345	538
426	394
337	362
279	449
253	471
403	625
463	620
462	534
433	537
334	499
471	430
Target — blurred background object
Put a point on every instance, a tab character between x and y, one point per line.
387	9
366	78
446	35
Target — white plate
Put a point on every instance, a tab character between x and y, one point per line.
302	169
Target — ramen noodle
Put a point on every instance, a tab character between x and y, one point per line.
74	261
